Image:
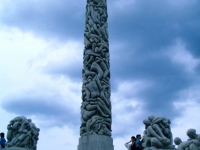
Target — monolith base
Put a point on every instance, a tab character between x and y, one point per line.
16	148
95	142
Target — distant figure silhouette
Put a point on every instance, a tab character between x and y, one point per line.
2	140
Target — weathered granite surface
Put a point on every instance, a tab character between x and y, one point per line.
193	143
22	134
157	134
96	105
16	148
95	129
95	142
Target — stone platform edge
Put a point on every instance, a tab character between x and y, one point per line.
95	142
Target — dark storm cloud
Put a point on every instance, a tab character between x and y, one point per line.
133	124
153	25
57	20
50	107
147	29
168	79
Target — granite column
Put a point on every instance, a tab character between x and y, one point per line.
96	117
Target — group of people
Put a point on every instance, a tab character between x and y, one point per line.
2	141
135	143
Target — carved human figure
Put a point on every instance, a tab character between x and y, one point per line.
187	145
191	133
89	56
105	94
96	105
103	14
23	139
91	85
102	46
90	38
22	133
99	125
103	67
102	29
96	68
92	11
91	26
91	108
157	132
13	128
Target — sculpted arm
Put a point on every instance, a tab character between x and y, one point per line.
185	145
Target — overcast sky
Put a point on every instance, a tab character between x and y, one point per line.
155	66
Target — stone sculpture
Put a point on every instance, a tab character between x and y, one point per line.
193	143
96	105
157	134
22	134
95	129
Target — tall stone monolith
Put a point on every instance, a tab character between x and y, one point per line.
96	118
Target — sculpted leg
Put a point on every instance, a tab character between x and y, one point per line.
164	140
156	143
151	131
193	147
88	114
96	105
104	108
158	130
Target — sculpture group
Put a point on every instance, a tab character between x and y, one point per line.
157	133
158	136
22	134
193	143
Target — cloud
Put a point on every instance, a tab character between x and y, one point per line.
143	38
49	18
54	108
187	104
64	136
29	89
127	107
180	55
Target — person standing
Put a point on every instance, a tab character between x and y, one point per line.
2	141
131	146
138	142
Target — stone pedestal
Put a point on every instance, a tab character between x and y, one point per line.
172	147
167	148
16	148
95	142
